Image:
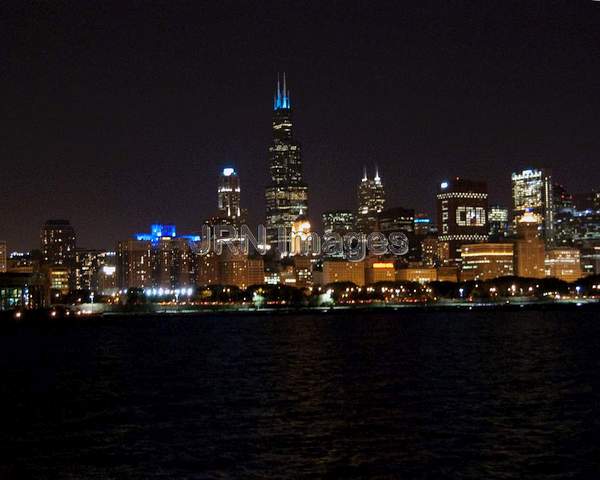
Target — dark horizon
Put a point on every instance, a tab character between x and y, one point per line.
118	116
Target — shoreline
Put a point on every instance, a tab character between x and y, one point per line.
50	316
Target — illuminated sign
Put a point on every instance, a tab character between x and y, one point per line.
470	216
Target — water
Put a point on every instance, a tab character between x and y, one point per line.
353	395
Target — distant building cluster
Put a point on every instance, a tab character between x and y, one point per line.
546	232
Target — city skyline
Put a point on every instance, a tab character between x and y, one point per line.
94	133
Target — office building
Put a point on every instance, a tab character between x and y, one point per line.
228	198
240	270
343	271
379	269
484	261
462	215
563	263
287	194
498	223
532	192
338	222
371	202
530	250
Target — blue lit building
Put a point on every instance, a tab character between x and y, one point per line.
158	259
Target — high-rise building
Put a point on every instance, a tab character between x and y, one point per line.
160	259
532	192
228	197
338	221
462	210
287	194
3	256
336	224
498	223
530	250
57	238
401	220
134	264
484	261
371	201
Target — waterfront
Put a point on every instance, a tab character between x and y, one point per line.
411	394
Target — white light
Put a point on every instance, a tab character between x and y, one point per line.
227	172
444	185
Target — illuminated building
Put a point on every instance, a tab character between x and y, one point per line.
498	223
287	194
207	272
379	270
343	271
563	263
417	274
338	221
160	259
530	250
371	201
590	260
3	259
462	208
532	192
57	238
228	193
303	270
423	225
60	278
23	262
23	290
240	270
134	264
95	270
484	261
302	240
429	251
401	220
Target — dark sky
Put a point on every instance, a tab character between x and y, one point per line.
115	115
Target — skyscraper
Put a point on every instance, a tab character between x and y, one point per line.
228	196
371	201
57	239
462	206
498	223
287	194
532	192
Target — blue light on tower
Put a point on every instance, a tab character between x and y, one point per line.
281	100
158	231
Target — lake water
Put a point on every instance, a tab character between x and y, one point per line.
406	394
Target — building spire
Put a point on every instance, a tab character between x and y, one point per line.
364	179
377	177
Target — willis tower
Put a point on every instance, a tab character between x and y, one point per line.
287	194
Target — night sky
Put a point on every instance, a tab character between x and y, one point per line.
116	116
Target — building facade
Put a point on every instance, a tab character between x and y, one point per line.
3	257
485	261
532	191
462	215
